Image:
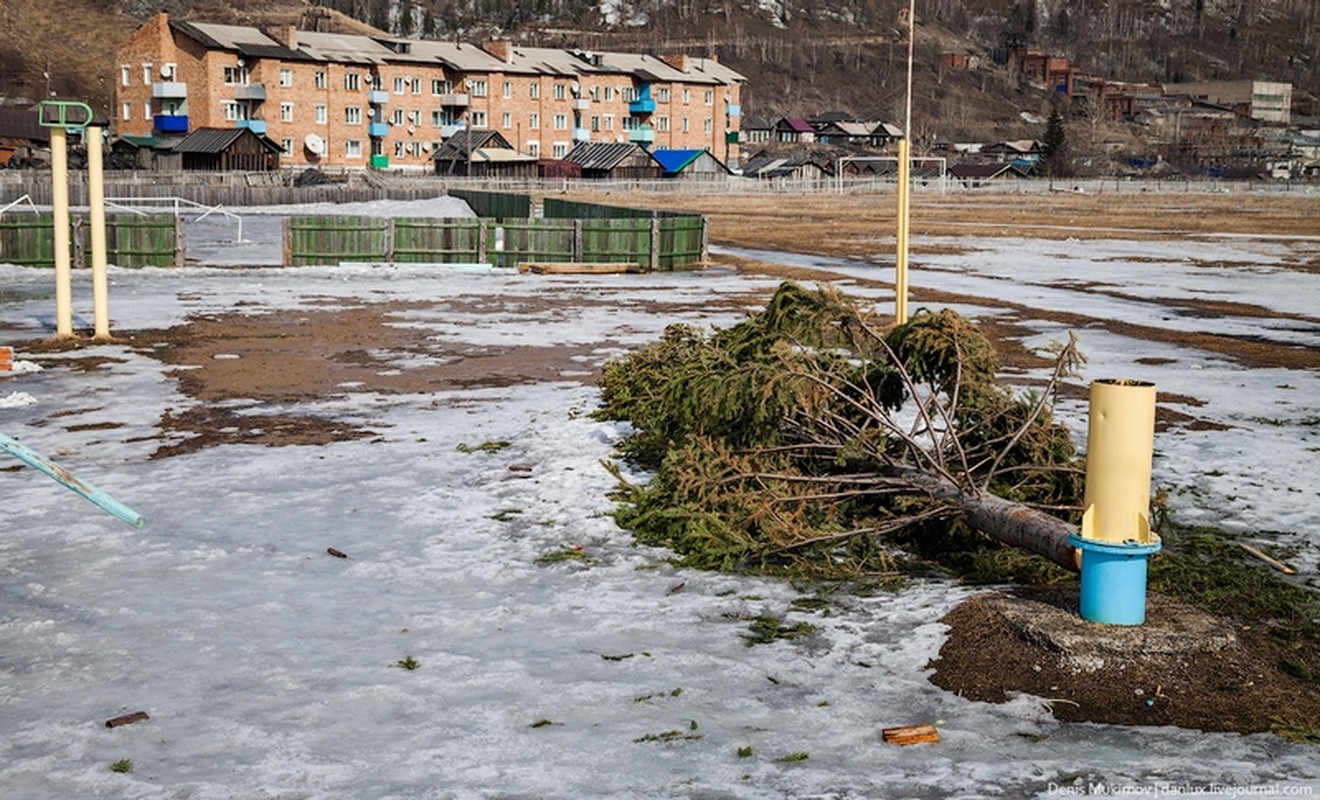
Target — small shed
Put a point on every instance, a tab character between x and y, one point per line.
614	160
223	150
689	164
482	154
794	129
973	175
21	136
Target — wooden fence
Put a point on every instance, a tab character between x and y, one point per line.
651	244
154	240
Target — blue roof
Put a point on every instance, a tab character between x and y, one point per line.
672	161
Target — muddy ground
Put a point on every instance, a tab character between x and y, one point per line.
282	359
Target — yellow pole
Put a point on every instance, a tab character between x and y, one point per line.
96	211
901	259
1120	439
59	168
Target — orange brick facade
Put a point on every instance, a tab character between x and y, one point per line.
376	107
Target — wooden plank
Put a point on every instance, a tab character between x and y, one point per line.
905	735
578	267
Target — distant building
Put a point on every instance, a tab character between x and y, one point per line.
1266	101
380	101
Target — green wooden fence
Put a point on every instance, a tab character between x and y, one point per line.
666	243
495	205
154	240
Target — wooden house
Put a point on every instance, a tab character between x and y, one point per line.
221	150
690	164
482	154
614	161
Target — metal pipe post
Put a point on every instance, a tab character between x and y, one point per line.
96	212
59	168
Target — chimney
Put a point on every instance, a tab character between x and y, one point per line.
678	61
501	49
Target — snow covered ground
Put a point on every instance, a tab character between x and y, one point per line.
270	669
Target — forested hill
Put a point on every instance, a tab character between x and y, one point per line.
801	56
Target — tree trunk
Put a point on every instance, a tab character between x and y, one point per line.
1003	520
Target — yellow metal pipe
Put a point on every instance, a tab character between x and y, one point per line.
1120	441
901	258
96	213
59	169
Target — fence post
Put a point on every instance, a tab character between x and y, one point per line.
481	241
286	237
389	241
655	244
79	243
578	244
705	239
180	246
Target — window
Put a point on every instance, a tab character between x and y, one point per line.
146	73
506	120
594	94
687	96
595	123
398	85
478	119
127	111
396	116
662	94
286	78
561	122
534	149
318	80
629	94
631	123
609	94
686	126
230	110
320	115
435	118
534	90
534	121
661	123
478	88
123	74
146	110
561	149
416	86
415	117
352	82
353	115
353	148
508	90
286	112
609	122
710	97
437	87
398	149
287	146
376	83
708	126
561	91
237	76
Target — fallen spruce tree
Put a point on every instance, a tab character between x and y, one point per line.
808	439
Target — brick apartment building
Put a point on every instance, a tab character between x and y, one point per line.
352	100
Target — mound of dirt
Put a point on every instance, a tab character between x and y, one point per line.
1183	667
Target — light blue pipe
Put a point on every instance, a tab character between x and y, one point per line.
94	495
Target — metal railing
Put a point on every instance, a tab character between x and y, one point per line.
180	207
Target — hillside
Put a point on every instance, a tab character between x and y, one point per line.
801	57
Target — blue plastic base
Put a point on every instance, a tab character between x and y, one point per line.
1114	580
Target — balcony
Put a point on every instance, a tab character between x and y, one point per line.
380	161
376	97
454	100
378	130
257	126
169	90
250	91
581	134
449	130
641	107
734	110
644	135
170	123
581	104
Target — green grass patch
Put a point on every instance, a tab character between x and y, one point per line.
484	447
573	553
768	628
123	765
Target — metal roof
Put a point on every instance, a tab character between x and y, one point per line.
461	145
602	155
217	140
674	161
345	47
